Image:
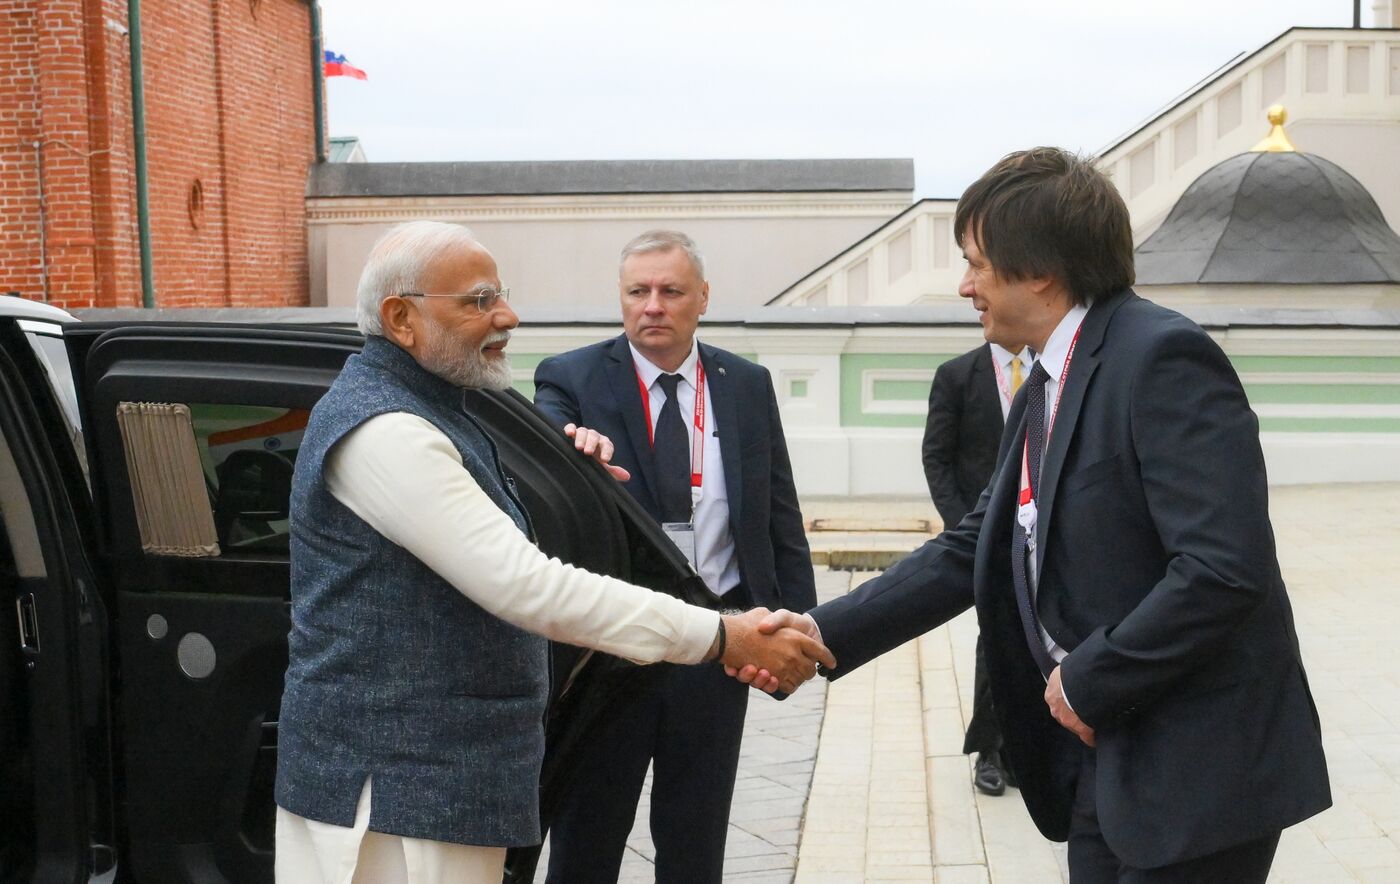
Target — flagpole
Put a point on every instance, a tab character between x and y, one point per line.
138	139
318	81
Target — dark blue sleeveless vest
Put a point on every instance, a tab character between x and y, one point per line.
395	674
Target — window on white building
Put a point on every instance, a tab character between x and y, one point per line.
1275	81
1227	110
858	283
942	241
1358	70
1142	168
900	255
1318	57
1184	140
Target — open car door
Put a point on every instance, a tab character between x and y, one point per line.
192	434
56	821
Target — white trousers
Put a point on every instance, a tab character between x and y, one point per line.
309	852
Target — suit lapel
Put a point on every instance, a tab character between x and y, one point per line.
984	379
622	377
1001	506
1084	361
727	421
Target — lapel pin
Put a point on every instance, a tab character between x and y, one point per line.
721	369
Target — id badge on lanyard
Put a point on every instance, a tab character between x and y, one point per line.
682	534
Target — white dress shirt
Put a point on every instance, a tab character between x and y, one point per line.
715	557
1052	358
1003	359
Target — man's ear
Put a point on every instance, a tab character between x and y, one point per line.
704	297
394	319
1044	286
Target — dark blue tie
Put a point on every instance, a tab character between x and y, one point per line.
671	450
1035	446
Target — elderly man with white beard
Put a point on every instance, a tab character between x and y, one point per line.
411	732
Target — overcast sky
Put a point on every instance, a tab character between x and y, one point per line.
954	86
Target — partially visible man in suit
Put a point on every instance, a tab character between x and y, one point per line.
698	429
967	407
1140	642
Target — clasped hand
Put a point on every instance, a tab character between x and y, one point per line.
776	650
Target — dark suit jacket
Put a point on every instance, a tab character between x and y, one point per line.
963	430
1158	575
596	387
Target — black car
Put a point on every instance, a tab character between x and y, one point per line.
145	468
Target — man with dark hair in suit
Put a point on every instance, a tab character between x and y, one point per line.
1140	642
967	407
698	430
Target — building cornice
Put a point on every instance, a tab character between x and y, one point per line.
381	210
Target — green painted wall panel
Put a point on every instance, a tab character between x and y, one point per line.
901	391
1317	363
1329	425
1323	394
853	365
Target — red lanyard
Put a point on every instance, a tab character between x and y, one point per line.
697	440
1027	495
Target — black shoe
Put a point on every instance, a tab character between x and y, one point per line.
986	775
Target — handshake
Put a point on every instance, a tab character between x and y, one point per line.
773	650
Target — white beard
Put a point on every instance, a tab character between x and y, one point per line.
464	367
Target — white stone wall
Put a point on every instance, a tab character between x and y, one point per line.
561	251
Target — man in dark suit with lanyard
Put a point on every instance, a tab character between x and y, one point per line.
967	406
698	430
1140	643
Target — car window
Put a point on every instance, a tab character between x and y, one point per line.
248	452
47	340
210	479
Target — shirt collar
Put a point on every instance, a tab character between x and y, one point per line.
1004	356
1057	347
649	372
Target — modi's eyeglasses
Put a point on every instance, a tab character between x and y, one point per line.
485	298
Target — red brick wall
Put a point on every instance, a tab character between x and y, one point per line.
19	128
228	113
116	251
268	89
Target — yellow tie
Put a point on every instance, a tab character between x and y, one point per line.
1015	373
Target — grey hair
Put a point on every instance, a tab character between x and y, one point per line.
662	241
397	263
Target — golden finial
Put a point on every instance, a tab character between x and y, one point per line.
1275	141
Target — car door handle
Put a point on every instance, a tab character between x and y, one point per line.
28	625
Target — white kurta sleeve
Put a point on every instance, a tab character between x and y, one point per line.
404	477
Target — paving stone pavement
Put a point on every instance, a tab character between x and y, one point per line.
884	792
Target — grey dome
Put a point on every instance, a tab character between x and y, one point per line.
1288	218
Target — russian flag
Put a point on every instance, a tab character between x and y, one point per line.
337	66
